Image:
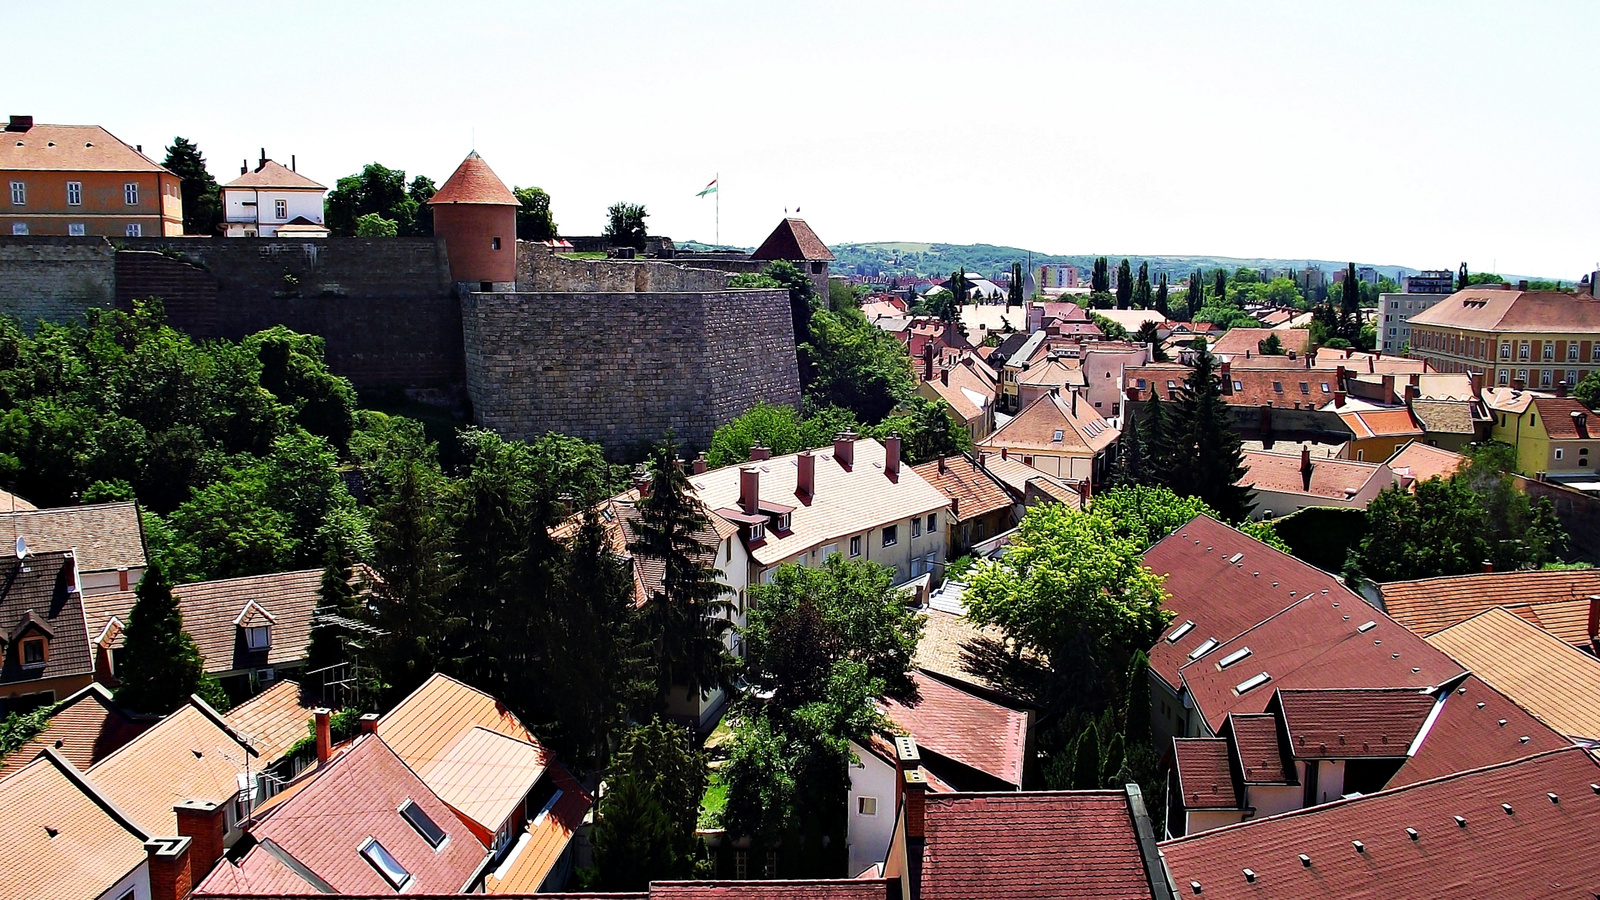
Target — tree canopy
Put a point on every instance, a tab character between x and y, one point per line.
162	665
625	224
202	198
534	221
381	191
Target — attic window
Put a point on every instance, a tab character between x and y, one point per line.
33	652
780	522
386	864
1059	434
758	532
1178	633
258	637
1325	387
423	823
1238	385
1233	657
1250	684
1305	388
1205	647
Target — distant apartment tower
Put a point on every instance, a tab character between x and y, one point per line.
1056	277
1311	279
1419	292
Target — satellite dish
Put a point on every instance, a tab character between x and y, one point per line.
22	548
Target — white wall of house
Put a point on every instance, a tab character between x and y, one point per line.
1102	373
868	836
137	881
1330	779
1282	503
1271	799
916	548
1206	819
94	584
264	217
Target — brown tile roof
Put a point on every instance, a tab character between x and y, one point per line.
1542	312
1062	845
1321	641
1348	724
793	239
70	148
1557	601
1082	429
1205	774
1259	749
1513	836
1214	597
1366	423
1235	342
1566	419
1276	387
943	636
274	175
975	492
1422	462
1444	416
1356	361
62	840
1339	479
963	727
1537	670
618	517
39	595
274	720
484	775
1474	726
189	755
84	728
214	611
10	502
106	536
474	182
845	501
968	390
1018	476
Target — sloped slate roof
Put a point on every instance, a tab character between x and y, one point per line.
474	182
41	593
1475	726
274	720
1258	752
978	493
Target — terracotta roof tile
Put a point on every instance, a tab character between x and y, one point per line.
277	176
976	492
1422	462
1350	724
186	756
963	727
84	728
1566	419
1259	752
1205	774
1474	726
106	536
474	182
1060	845
1338	479
821	889
1540	312
70	148
617	518
1537	670
1528	848
1082	429
1557	601
1356	361
484	775
543	842
60	839
794	240
1235	342
1366	423
274	720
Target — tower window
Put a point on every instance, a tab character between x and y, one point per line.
494	243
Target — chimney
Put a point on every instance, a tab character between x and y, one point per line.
805	482
1594	623
844	449
168	859
927	361
1225	370
369	723
244	166
750	490
955	507
1074	403
263	163
20	123
1004	454
1416	379
292	166
1561	388
944	377
204	823
1339	375
891	455
1477	383
1388	390
1266	419
907	759
1522	285
1292	355
641	481
1412	393
700	463
1488	566
1083	493
122	578
1305	468
324	735
759	453
915	785
941	465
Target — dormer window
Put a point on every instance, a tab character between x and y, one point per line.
780	522
258	637
34	652
758	532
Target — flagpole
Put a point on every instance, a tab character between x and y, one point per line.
718	229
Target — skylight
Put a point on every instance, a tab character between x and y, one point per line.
1058	436
425	826
1206	647
386	864
1233	657
1178	633
1252	683
1367	627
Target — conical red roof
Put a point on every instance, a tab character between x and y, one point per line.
474	182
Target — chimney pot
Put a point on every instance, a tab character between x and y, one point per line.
20	123
844	449
944	376
891	455
1561	388
204	824
369	723
916	803
122	578
700	463
1488	565
168	861
324	735
759	453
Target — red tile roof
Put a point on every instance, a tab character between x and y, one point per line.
1205	774
1350	724
1083	430
1238	341
975	492
277	176
1549	678
1422	462
1558	602
1530	847
191	754
793	240
1367	423
963	727
1474	726
62	840
1338	479
1566	419
1220	596
274	720
84	728
70	148
1058	845
474	182
1258	749
1539	312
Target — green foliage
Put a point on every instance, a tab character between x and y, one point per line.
534	221
855	366
842	295
1087	767
1587	391
778	428
1144	514
1162	302
17	729
1111	329
927	428
1143	298
202	198
1100	277
373	225
1271	346
162	666
645	828
1267	533
1124	285
1150	334
382	192
1322	536
625	225
1191	447
1136	703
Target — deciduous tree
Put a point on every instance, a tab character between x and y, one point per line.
625	225
534	221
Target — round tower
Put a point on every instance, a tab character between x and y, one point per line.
476	214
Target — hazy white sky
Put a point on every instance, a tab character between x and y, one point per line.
1410	133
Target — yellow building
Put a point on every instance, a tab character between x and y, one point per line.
1554	435
1526	339
81	180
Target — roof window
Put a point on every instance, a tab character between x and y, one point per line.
1233	657
423	823
1056	438
1205	647
1250	684
1178	633
387	866
1366	627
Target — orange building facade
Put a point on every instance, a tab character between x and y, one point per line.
81	180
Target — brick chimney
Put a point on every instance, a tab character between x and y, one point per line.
1413	392
750	490
1225	371
122	578
1004	454
168	859
941	465
1477	383
324	735
927	361
369	723
700	463
204	823
1388	390
907	759
944	377
805	482
891	455
844	449
915	785
759	453
1339	376
1338	399
1488	566
1305	468
1561	388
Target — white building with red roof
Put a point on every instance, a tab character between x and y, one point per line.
273	200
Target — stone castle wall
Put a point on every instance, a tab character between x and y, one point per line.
622	369
55	278
541	269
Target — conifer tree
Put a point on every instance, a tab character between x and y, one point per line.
202	198
1111	765
1136	703
1461	278
1100	277
1208	456
1014	293
1194	297
1349	305
646	828
1155	454
1161	300
335	596
163	664
1130	455
1086	768
1142	296
1124	285
1219	288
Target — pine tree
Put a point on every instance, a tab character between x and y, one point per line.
1461	278
202	199
163	664
1156	461
1194	297
1124	285
1100	278
1111	766
1161	296
1142	296
1130	455
338	597
1086	768
1208	455
1136	703
645	830
688	615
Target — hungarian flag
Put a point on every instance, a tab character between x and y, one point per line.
710	189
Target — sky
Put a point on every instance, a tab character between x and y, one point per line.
1395	133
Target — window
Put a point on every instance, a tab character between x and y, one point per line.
855	546
1572	351
780	522
1549	350
1324	387
1594	353
134	230
280	209
1522	352
1560	453
1059	434
758	532
933	522
19	227
425	826
866	806
386	864
1545	378
1237	384
1522	376
771	871
891	535
75	229
74	193
1392	331
19	193
1305	388
1277	387
916	527
1505	377
130	193
1505	350
258	637
33	653
1572	377
494	243
741	864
